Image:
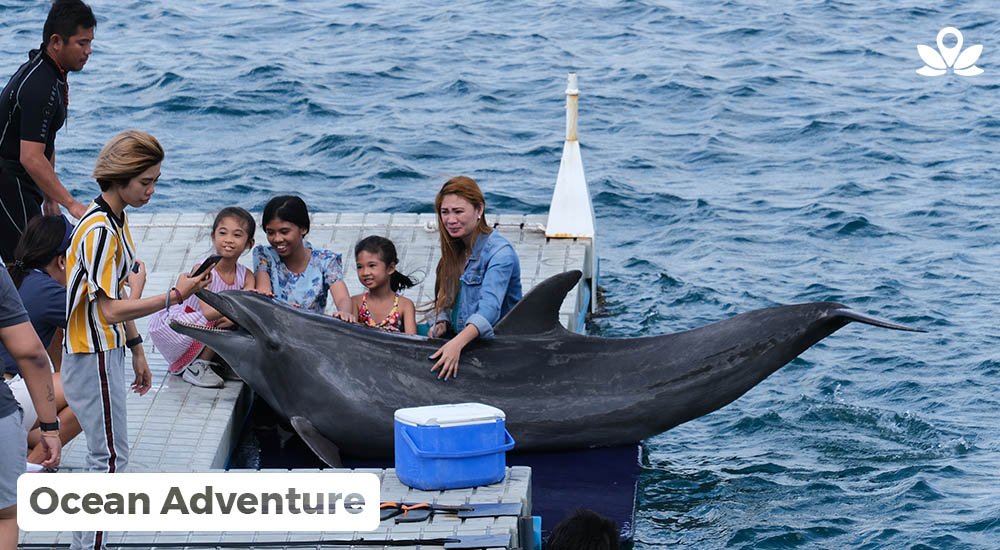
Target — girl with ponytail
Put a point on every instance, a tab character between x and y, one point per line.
42	247
381	306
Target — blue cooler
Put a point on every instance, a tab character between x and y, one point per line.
451	446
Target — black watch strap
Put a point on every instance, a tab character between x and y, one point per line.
133	342
49	426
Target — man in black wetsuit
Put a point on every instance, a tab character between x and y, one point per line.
33	108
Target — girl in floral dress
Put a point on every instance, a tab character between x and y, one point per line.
290	269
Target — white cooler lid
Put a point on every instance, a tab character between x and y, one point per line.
458	414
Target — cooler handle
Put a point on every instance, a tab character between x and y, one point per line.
507	445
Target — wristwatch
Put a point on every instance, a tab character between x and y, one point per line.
49	426
133	342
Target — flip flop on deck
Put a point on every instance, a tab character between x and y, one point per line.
422	511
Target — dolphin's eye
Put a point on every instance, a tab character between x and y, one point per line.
273	344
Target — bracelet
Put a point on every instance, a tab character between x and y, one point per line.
49	426
180	299
133	342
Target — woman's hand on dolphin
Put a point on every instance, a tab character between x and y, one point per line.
447	357
267	293
345	316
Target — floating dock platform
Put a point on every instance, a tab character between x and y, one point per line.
177	427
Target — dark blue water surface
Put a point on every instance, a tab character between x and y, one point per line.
740	154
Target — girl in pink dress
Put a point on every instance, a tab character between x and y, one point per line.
380	306
232	235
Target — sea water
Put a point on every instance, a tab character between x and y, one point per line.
740	154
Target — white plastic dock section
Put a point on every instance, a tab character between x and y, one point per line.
171	242
177	427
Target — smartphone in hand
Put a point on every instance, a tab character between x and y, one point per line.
206	265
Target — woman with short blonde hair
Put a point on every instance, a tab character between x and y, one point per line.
101	263
125	156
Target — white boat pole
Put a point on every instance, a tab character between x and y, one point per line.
572	107
571	214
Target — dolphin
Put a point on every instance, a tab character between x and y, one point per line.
340	383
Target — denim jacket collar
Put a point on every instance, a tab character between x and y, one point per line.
477	248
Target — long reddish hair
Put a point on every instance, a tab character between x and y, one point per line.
453	251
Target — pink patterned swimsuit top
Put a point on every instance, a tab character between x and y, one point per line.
393	322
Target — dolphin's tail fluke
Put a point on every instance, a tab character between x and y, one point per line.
859	317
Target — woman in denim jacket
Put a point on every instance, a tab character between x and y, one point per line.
478	275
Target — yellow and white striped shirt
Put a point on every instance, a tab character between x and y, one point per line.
99	258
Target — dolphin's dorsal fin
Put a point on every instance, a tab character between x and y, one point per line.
538	311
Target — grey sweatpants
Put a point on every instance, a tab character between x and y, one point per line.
95	386
13	449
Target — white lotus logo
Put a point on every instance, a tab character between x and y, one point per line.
962	63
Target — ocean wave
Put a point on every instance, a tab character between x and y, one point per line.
739	157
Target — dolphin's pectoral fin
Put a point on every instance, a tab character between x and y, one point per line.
325	449
538	311
859	317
